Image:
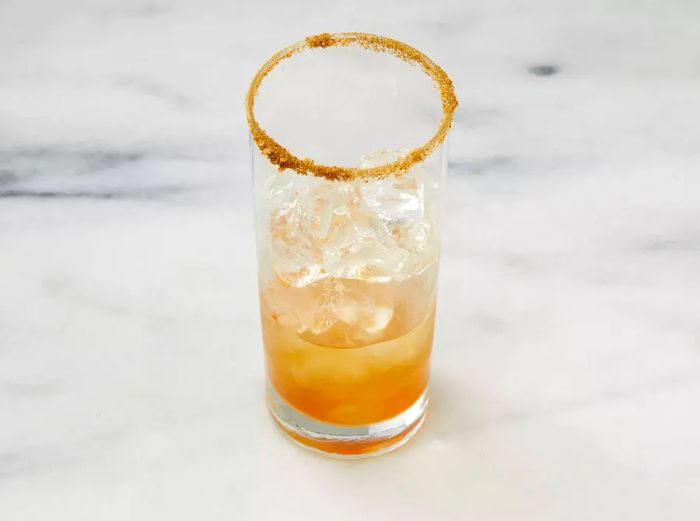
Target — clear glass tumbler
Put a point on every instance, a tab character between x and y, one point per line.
348	255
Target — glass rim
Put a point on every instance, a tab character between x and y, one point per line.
284	159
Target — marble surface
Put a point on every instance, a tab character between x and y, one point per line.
566	379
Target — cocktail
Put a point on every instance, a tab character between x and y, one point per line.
348	255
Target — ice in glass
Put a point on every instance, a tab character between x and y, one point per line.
348	272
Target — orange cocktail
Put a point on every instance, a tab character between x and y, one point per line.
348	255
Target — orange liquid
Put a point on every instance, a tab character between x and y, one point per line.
369	365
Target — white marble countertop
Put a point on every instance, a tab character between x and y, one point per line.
566	378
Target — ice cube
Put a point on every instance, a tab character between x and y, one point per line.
398	203
377	320
394	201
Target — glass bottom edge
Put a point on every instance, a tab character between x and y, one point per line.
346	441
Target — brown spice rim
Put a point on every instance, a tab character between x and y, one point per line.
283	158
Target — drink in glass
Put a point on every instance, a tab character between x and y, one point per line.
348	255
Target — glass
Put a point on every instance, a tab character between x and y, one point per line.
348	255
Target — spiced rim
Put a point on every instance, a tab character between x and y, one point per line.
284	159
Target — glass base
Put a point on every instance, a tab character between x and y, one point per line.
347	441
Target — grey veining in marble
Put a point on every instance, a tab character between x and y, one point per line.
566	375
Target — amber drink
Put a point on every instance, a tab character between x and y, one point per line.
348	255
